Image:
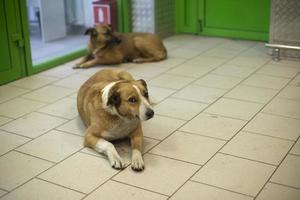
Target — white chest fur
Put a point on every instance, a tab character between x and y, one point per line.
121	130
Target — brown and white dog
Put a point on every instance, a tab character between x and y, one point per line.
108	47
112	105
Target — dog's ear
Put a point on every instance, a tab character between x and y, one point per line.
91	31
143	82
114	99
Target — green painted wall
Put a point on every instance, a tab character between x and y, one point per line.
243	19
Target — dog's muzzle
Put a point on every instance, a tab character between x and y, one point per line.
149	113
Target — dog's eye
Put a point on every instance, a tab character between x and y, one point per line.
132	100
146	94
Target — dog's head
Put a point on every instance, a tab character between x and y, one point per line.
102	35
127	99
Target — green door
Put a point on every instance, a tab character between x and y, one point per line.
12	60
244	19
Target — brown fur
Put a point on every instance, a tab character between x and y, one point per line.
107	47
97	119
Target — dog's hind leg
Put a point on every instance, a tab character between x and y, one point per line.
102	146
151	52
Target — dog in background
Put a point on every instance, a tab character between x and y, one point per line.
112	105
107	47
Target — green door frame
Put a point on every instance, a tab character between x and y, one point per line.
124	25
13	42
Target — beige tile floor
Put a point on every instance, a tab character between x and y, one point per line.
227	126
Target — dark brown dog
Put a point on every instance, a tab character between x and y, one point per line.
107	47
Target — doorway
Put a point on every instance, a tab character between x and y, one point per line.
241	19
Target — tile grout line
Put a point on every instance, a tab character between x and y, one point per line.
288	186
275	170
139	187
244	158
221	188
271	136
188	162
60	185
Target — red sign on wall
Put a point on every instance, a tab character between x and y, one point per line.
102	14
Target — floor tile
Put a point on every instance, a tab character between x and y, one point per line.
235	174
38	189
160	127
290	92
8	92
60	71
169	62
296	80
206	61
74	81
183	53
48	93
33	82
180	109
4	120
2	193
217	81
124	149
161	175
233	70
53	146
65	108
284	107
146	70
158	94
278	192
170	81
285	63
17	168
10	141
234	108
214	126
113	190
74	126
254	94
195	191
258	147
188	147
275	126
288	172
18	107
252	62
221	53
237	45
33	124
89	172
260	80
277	70
194	70
199	93
296	149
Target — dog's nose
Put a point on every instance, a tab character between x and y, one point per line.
149	113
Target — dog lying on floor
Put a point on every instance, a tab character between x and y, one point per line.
107	47
112	105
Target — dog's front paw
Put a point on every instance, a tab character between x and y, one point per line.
137	60
137	162
116	161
